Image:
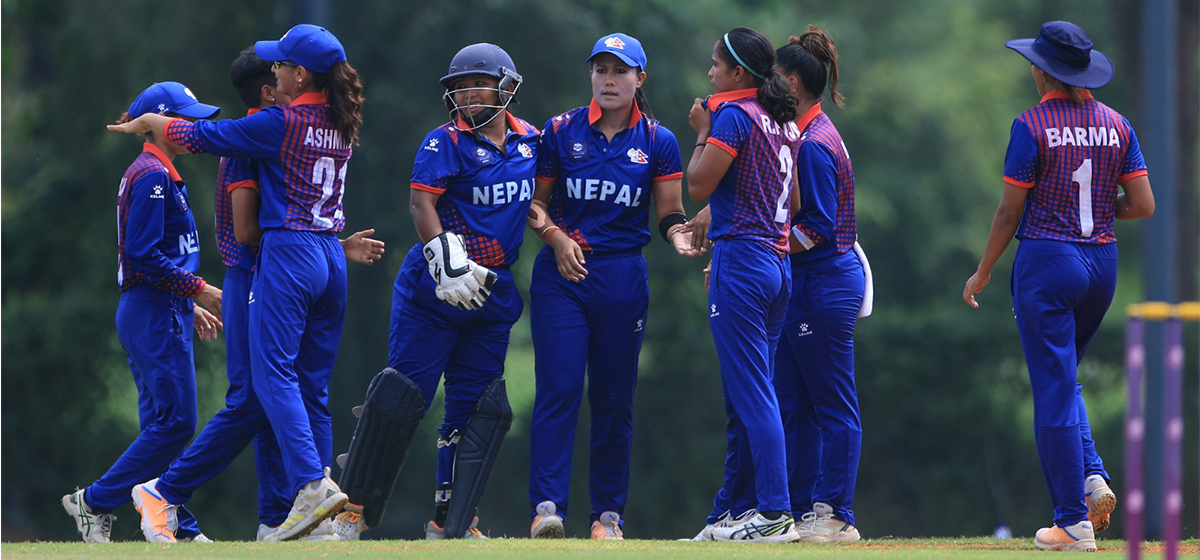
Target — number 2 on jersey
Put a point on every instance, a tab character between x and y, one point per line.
323	174
1083	176
786	165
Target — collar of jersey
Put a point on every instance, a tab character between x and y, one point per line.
808	116
252	111
717	99
1060	94
513	124
594	112
162	158
310	98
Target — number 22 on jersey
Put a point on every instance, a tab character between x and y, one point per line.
323	176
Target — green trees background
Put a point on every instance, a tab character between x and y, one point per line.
931	92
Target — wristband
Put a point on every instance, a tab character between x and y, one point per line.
669	221
546	235
700	144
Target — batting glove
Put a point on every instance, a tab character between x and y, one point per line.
460	282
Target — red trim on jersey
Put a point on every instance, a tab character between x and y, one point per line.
714	101
808	116
252	110
594	112
667	177
1017	183
247	184
148	147
1132	175
1060	94
426	188
310	98
723	146
199	289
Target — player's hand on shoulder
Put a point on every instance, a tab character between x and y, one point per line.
569	257
460	281
362	249
207	325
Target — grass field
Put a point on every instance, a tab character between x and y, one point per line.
892	549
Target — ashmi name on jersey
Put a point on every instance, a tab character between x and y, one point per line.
503	193
325	138
1079	136
595	189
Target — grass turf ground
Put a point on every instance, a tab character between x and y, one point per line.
895	549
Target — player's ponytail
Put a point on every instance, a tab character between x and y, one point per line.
756	55
343	93
813	58
643	105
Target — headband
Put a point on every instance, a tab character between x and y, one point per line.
739	60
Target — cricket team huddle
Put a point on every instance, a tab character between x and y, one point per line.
787	282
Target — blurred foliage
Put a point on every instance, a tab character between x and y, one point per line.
931	92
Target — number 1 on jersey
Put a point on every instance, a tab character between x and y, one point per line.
1083	176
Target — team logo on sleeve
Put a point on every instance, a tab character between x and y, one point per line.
525	151
637	156
432	146
578	151
614	42
157	192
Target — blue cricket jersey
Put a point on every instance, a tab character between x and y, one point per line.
826	224
602	189
157	241
485	192
302	160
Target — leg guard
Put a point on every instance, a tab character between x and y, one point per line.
386	424
478	447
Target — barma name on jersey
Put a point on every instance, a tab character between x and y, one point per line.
1091	136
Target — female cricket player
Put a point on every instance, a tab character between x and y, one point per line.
157	259
472	183
599	168
744	160
242	420
814	370
298	296
1066	157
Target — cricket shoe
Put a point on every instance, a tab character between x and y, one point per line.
435	533
608	527
159	518
348	525
547	524
93	527
1078	537
315	502
819	525
757	528
199	537
1101	501
725	520
323	532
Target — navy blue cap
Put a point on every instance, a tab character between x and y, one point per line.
171	97
1064	51
308	45
624	47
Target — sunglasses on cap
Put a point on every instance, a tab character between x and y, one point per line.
281	63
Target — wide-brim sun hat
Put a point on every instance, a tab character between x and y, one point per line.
627	49
171	97
1064	52
310	46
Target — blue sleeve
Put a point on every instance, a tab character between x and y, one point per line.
817	176
437	161
239	172
730	128
144	230
1133	162
1020	162
254	137
666	162
549	165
